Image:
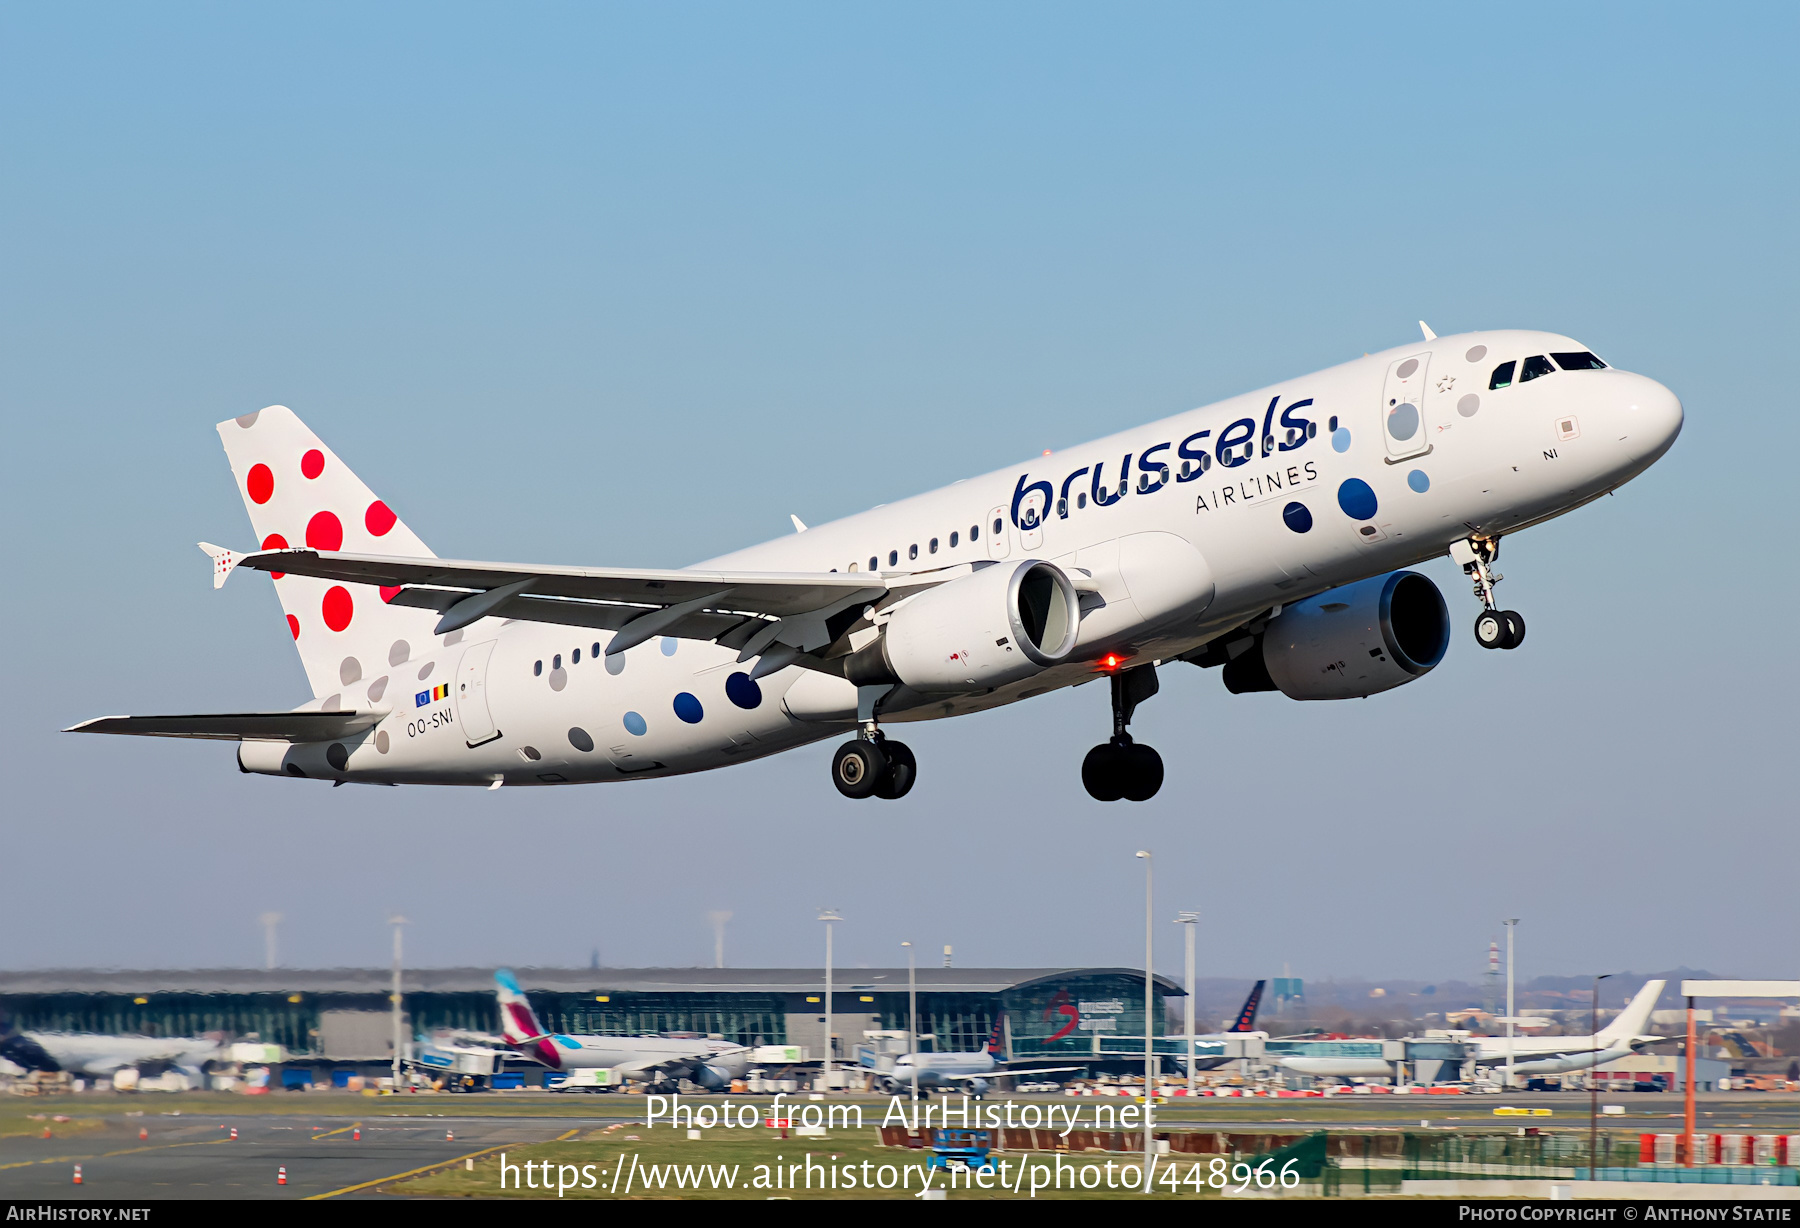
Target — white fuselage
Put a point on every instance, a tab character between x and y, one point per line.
939	1069
1177	560
95	1054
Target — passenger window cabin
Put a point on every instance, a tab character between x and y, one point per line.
934	545
974	532
1502	377
1534	367
953	537
893	558
912	551
537	669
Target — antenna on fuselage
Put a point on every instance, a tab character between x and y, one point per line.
1426	329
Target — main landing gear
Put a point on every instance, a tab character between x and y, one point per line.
873	764
1122	768
1494	628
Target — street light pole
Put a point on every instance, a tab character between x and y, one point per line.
1149	1044
1593	1084
1191	921
394	996
828	916
1511	924
912	1015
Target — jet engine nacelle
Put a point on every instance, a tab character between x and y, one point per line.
1360	639
998	625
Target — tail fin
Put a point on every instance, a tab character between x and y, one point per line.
1246	1017
298	493
994	1044
519	1023
1636	1014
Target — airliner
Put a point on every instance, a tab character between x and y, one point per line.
1530	1055
1268	536
969	1071
93	1053
1242	1026
658	1061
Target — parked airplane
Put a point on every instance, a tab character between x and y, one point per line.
1244	1024
1531	1055
1267	534
93	1053
656	1060
970	1071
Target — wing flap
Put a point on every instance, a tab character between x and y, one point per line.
237	726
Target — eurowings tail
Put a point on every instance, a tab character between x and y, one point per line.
519	1023
298	493
1630	1023
1246	1016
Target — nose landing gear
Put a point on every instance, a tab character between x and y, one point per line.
1494	627
1122	768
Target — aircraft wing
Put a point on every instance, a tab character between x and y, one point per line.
744	610
237	726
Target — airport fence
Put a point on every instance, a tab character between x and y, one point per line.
1375	1163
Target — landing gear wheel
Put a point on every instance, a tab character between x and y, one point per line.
857	769
1515	628
902	771
1491	629
1143	772
1101	773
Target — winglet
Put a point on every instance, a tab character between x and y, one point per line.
1426	329
798	527
223	561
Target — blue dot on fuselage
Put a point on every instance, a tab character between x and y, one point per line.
1357	500
634	725
1298	518
688	708
1419	480
1340	439
741	689
669	645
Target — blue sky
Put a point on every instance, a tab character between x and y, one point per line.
627	285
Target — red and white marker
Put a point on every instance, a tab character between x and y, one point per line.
234	1132
281	1176
143	1133
356	1135
78	1174
46	1131
449	1136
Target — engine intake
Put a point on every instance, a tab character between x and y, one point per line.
983	630
1349	642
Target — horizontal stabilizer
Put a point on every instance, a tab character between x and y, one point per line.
223	561
237	726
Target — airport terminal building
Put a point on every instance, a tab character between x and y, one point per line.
343	1015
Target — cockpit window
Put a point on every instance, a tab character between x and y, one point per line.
1535	366
1580	361
1502	376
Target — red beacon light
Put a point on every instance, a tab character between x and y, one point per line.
1109	664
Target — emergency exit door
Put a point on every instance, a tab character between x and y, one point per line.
1403	407
471	695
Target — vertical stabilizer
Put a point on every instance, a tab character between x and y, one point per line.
1246	1017
996	1044
519	1023
298	493
1636	1014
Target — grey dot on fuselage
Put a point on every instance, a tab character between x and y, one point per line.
559	678
378	688
381	741
331	703
399	652
425	670
249	420
349	670
1469	404
615	663
1405	370
580	739
1476	353
455	637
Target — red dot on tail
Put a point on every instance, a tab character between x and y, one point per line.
379	518
337	607
324	532
388	594
260	484
275	541
294	626
313	463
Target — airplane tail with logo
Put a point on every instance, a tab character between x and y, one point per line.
519	1023
995	1043
1630	1023
1246	1016
299	494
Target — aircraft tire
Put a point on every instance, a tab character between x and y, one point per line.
902	771
1143	772
857	769
1102	773
1491	630
1515	628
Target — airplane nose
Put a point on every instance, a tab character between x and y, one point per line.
1652	417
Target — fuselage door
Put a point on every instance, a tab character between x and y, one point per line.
1403	407
1033	509
471	694
995	531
